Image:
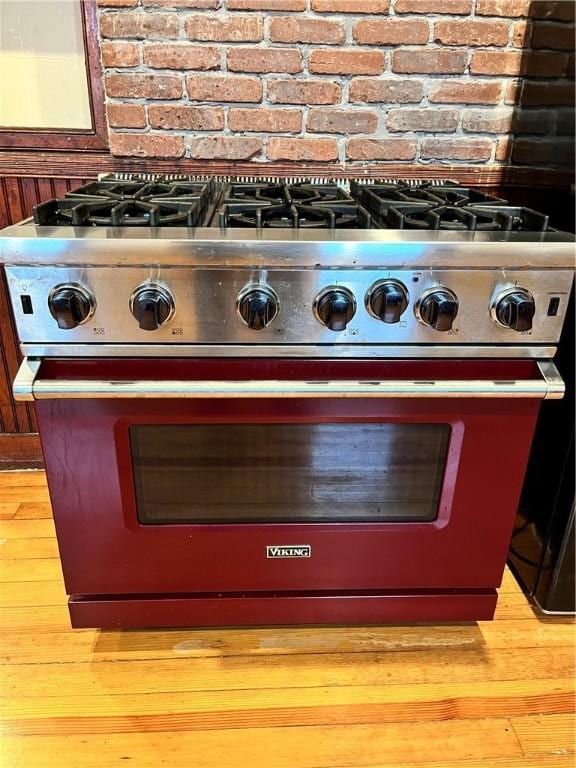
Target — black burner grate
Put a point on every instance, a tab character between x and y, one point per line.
164	201
119	213
341	215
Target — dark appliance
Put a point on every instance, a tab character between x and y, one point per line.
543	543
268	401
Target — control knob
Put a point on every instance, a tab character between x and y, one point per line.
152	306
514	309
438	309
387	301
257	306
71	305
335	307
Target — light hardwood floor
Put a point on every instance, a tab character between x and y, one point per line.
488	695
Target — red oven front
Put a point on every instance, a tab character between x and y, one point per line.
284	491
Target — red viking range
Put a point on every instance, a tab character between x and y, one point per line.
279	402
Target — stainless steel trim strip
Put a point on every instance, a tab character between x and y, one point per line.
28	387
31	245
347	351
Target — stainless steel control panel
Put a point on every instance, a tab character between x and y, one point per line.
208	305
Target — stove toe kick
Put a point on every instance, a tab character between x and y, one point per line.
270	609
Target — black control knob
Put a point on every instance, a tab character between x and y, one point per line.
515	309
152	306
387	301
257	307
438	309
335	307
71	305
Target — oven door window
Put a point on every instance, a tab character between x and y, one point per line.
288	473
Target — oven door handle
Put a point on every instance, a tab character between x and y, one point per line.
28	387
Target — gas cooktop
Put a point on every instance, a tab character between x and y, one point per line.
282	204
302	267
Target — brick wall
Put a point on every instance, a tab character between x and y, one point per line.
340	81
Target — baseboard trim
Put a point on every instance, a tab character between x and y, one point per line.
20	451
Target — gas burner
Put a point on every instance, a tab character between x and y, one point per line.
255	194
380	197
472	218
138	190
508	218
113	213
297	216
317	193
423	216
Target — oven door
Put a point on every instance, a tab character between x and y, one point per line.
204	476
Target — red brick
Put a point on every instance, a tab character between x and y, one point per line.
433	61
503	148
533	121
555	151
471	33
236	28
386	91
264	60
346	61
521	33
342	121
304	92
126	115
509	8
351	6
186	117
224	147
117	3
544	63
562	10
556	36
137	86
302	150
224	88
182	3
146	145
391	32
139	25
290	29
265	120
120	54
496	63
381	149
456	149
267	5
487	120
427	119
181	56
513	90
465	92
536	94
456	7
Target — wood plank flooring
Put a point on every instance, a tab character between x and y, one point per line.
489	695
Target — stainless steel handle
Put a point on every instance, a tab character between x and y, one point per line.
28	387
